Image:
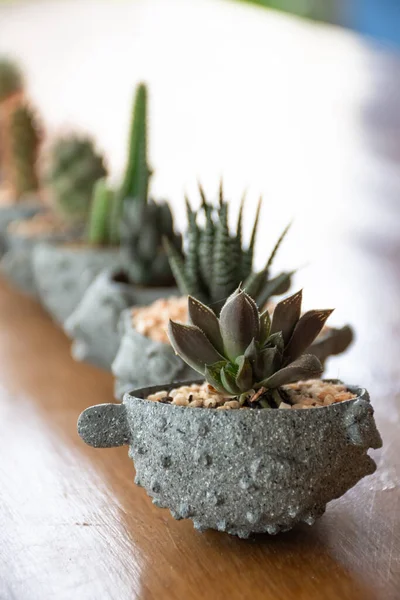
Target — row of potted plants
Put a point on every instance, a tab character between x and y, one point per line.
159	310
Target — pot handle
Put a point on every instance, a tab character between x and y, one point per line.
360	425
104	426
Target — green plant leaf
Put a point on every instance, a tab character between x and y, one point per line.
305	367
265	326
334	341
238	324
286	314
305	332
228	380
274	287
212	374
267	361
204	318
244	376
276	339
191	344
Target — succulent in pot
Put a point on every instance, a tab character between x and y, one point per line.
265	467
214	263
140	232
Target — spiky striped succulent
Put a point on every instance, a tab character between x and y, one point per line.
216	261
74	167
243	351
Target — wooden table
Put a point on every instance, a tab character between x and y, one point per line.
310	116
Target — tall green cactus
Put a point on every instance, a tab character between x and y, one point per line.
11	80
137	172
74	167
22	151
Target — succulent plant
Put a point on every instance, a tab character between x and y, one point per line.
216	261
144	227
243	351
11	80
137	172
74	167
21	150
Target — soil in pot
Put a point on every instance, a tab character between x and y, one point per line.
64	271
93	325
241	471
145	356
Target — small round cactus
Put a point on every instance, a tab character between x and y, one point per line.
74	167
11	80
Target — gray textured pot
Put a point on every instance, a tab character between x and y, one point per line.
64	272
16	264
16	212
93	325
239	471
141	361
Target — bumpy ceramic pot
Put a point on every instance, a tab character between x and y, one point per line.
63	273
239	471
141	361
16	212
93	325
16	264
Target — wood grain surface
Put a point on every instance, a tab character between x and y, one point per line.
310	116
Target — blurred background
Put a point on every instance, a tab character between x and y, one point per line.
295	107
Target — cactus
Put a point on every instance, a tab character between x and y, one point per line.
216	261
74	167
20	150
137	172
145	225
100	211
11	80
243	351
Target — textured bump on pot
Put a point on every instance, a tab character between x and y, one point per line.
16	212
16	264
239	471
64	272
93	325
141	361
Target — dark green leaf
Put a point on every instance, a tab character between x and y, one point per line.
228	380
244	377
274	287
305	367
204	318
332	342
212	374
276	339
305	332
238	324
190	343
286	314
267	362
265	326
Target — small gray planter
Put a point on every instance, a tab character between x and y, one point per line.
64	272
16	212
93	325
239	471
141	361
16	264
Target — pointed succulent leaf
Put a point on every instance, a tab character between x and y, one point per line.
238	325
305	367
274	287
265	326
333	342
267	362
178	268
191	344
276	339
204	318
244	377
277	245
286	314
212	373
305	332
229	383
252	352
